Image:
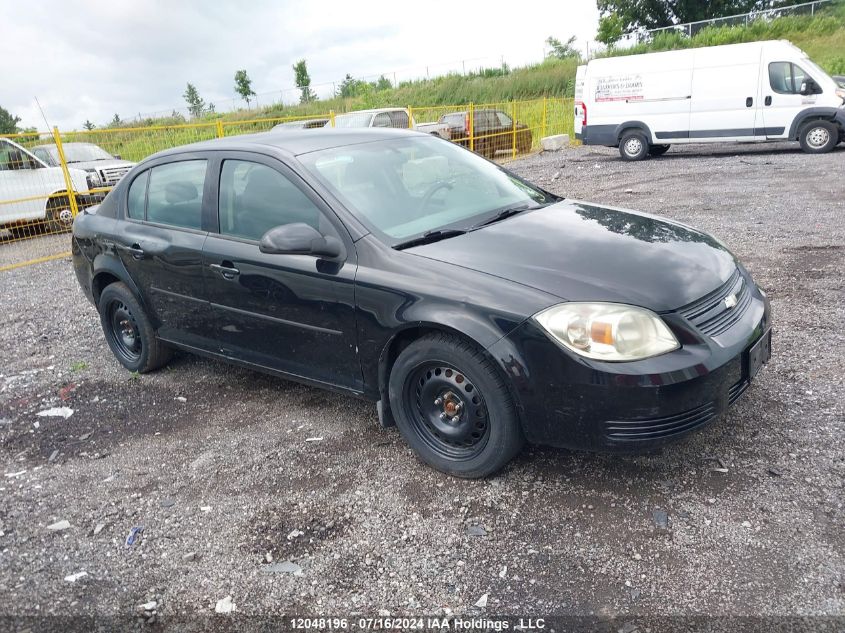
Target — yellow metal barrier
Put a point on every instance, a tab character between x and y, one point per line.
47	178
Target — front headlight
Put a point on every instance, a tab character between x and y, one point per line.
841	94
608	331
93	180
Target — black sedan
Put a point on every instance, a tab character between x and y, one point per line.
476	309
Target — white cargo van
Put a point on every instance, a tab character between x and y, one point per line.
759	91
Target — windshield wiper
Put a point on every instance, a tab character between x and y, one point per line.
502	214
428	237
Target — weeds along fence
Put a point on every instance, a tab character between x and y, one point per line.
47	178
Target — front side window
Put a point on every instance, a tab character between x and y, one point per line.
255	198
174	194
404	187
137	196
15	159
786	77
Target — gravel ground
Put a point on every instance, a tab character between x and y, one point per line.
745	518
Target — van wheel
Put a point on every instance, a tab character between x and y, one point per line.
658	150
633	145
453	407
818	137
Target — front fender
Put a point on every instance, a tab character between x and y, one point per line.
831	114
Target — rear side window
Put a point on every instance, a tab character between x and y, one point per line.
174	194
504	119
255	198
138	196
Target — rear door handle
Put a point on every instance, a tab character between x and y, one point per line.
749	102
768	100
226	269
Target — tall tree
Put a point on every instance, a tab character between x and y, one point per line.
116	120
562	50
652	14
303	81
88	125
8	122
243	86
383	83
348	87
196	106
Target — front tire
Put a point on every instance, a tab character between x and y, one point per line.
453	407
128	330
59	215
818	137
633	146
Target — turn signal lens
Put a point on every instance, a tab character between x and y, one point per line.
608	331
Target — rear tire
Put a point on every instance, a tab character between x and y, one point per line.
453	407
658	150
633	146
818	137
128	330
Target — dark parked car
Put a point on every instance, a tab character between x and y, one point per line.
493	131
478	310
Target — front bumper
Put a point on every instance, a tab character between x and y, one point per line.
569	401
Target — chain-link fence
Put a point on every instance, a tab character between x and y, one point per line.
46	178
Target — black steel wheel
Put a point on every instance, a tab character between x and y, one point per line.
447	411
453	406
59	216
128	330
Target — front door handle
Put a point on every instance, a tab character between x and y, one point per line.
768	100
136	251
226	269
749	102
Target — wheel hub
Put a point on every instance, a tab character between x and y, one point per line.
633	147
448	410
818	137
66	216
124	332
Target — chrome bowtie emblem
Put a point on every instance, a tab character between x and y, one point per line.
730	301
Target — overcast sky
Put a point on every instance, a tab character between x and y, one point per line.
92	59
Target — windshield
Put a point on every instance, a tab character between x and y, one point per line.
81	152
353	119
409	186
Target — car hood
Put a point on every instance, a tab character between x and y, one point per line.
88	165
583	252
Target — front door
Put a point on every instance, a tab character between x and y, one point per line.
782	98
161	247
291	313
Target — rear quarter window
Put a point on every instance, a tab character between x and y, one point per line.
137	196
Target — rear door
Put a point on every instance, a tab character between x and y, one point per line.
725	95
161	246
291	313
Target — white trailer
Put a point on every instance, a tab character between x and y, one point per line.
759	91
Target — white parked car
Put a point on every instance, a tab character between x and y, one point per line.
759	91
32	191
389	117
88	157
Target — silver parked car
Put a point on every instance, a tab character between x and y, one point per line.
107	169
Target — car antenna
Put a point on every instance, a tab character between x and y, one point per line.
43	116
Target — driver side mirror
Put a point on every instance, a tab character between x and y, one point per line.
808	87
299	238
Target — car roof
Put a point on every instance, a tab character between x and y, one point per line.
372	111
296	141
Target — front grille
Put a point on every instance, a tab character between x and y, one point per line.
737	390
111	175
711	315
643	430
